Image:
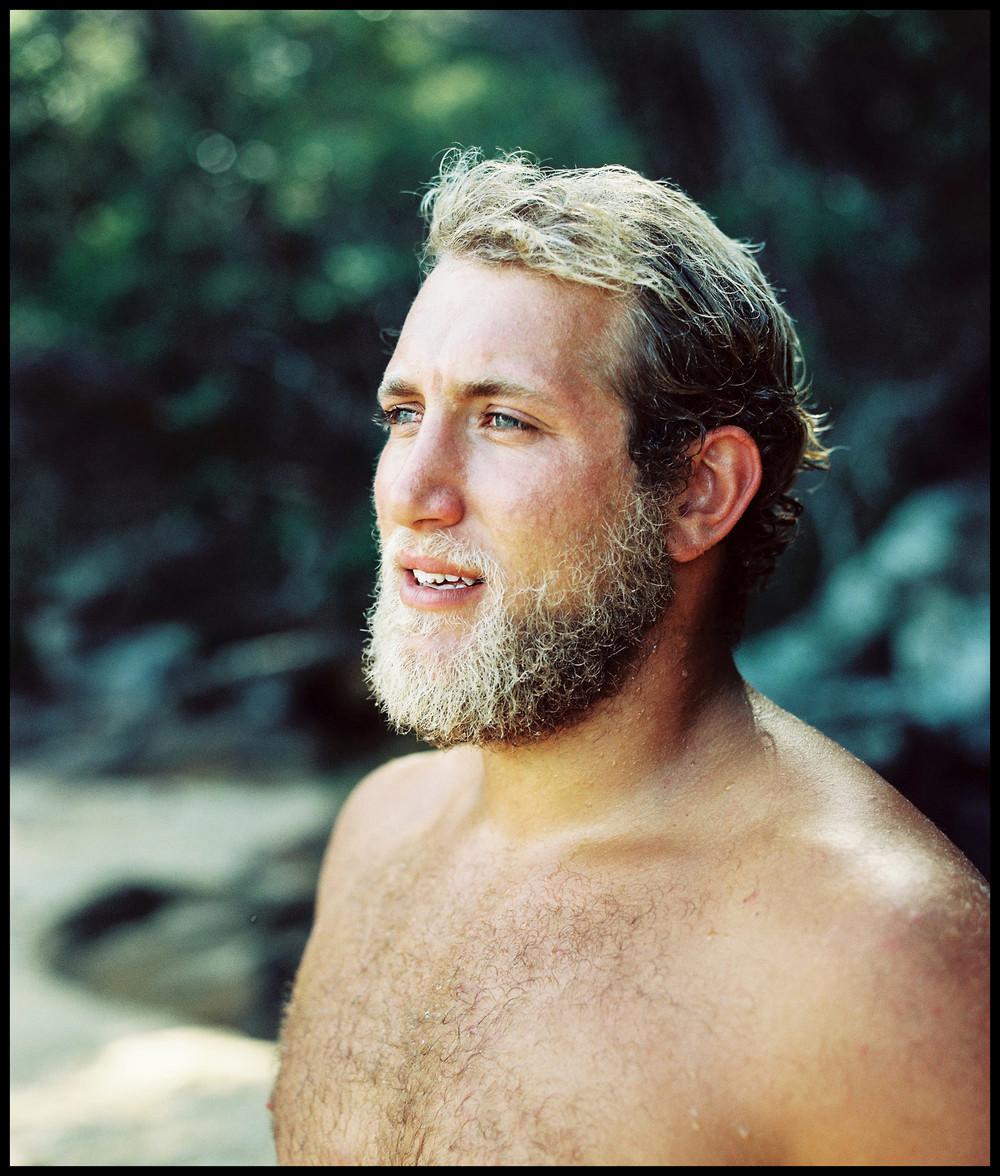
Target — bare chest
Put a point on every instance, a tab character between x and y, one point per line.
458	1020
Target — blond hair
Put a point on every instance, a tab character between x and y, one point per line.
705	340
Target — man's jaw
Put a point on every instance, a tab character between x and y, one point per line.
525	658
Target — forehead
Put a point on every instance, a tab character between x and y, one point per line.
473	318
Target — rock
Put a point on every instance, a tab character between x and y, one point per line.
225	957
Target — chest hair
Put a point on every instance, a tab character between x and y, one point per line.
441	1014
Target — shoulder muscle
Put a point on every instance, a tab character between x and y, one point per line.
889	1036
383	809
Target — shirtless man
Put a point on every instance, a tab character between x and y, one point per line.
630	912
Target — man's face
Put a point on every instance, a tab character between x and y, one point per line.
506	469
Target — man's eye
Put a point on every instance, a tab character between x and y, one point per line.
398	415
508	424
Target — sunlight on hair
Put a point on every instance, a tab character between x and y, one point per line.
704	339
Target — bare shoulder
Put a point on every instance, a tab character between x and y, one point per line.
838	807
883	1017
393	805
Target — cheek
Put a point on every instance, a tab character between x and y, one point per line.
566	500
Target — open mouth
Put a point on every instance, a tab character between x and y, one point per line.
443	581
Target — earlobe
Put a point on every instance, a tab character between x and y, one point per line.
725	476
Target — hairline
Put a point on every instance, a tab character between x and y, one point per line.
622	331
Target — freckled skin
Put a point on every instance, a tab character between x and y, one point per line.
504	493
688	929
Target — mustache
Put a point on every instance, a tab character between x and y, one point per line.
441	545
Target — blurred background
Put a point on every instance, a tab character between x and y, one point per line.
214	238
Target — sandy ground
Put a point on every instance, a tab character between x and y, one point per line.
94	1081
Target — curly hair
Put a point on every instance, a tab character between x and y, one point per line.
703	342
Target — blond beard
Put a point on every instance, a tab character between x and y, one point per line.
535	657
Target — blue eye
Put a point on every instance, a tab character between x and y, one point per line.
508	424
399	415
403	415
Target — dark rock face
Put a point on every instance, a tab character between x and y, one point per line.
125	905
226	957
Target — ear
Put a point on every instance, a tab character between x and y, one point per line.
725	475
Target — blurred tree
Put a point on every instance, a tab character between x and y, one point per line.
215	220
215	225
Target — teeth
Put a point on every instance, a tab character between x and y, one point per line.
441	580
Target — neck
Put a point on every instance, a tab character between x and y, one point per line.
664	737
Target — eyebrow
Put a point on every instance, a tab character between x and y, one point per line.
474	389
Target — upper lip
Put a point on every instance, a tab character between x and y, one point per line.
425	563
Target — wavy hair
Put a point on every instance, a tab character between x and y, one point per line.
704	340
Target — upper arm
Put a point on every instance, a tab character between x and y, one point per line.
889	1048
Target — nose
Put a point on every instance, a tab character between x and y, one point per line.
418	481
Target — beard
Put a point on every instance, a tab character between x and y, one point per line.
534	658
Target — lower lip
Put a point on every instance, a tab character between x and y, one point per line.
417	596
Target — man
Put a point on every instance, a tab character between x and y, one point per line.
630	912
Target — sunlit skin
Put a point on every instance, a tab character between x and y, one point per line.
687	929
498	466
530	473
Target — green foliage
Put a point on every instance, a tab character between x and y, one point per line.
215	222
